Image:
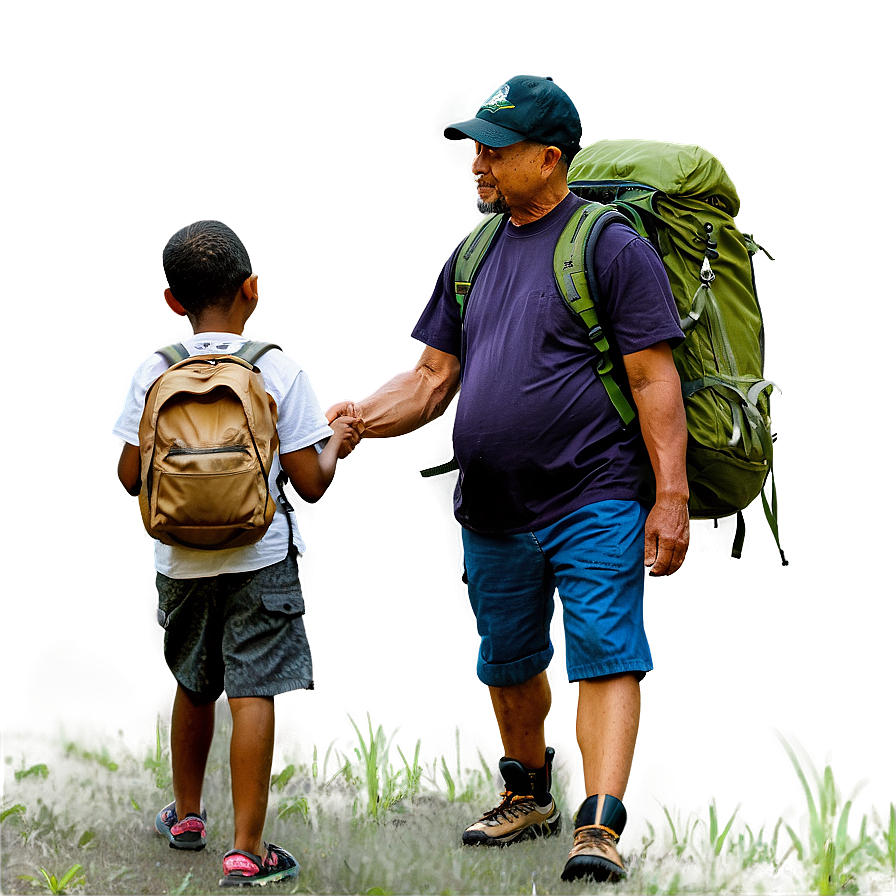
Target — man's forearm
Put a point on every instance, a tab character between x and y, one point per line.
656	389
665	434
410	399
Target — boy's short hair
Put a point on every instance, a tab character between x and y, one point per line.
205	264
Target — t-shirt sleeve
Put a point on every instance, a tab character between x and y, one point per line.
439	325
300	420
635	295
127	426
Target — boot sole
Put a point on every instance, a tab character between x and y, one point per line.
600	870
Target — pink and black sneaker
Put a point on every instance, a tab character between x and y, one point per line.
243	869
188	833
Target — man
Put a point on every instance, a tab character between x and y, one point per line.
552	489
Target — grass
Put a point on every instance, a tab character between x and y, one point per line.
379	820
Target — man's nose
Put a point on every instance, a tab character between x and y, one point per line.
479	166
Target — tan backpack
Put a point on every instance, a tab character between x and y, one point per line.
208	437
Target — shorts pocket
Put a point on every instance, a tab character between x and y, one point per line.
284	604
277	589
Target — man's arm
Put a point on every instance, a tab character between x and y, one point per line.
656	389
408	400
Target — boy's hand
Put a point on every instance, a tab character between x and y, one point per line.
345	432
345	409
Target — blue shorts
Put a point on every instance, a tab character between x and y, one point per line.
594	557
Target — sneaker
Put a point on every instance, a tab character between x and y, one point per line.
599	822
243	869
527	809
189	833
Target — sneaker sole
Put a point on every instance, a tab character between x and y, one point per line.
547	828
259	882
191	845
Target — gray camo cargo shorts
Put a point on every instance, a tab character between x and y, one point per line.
239	633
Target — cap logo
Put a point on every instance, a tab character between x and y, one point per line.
498	100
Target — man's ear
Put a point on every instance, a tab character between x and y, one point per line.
550	160
173	304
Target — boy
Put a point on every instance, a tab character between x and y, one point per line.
233	617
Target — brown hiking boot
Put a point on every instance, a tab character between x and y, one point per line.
527	809
594	853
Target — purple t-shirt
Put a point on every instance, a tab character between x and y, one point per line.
535	434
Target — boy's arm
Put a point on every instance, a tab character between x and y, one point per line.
311	472
129	469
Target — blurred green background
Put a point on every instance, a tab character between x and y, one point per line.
315	130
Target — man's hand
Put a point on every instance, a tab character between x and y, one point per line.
666	537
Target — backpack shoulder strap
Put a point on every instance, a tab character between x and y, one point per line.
174	353
470	255
253	350
576	283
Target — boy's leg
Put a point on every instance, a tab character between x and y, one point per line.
251	755
192	729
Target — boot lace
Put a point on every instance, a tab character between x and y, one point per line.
595	835
512	806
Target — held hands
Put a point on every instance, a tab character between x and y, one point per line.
345	421
666	537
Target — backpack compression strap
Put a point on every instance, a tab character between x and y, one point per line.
577	284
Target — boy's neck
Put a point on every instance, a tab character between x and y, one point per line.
214	320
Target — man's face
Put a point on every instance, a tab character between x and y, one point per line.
507	177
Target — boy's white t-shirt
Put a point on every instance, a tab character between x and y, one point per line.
301	423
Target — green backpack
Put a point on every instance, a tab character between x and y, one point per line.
682	200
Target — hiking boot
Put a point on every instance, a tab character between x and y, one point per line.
189	833
527	809
599	823
244	869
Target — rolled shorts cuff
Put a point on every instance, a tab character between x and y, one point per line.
502	675
637	666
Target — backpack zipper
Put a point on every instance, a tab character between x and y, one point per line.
225	449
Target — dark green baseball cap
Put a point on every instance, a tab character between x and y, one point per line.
524	108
